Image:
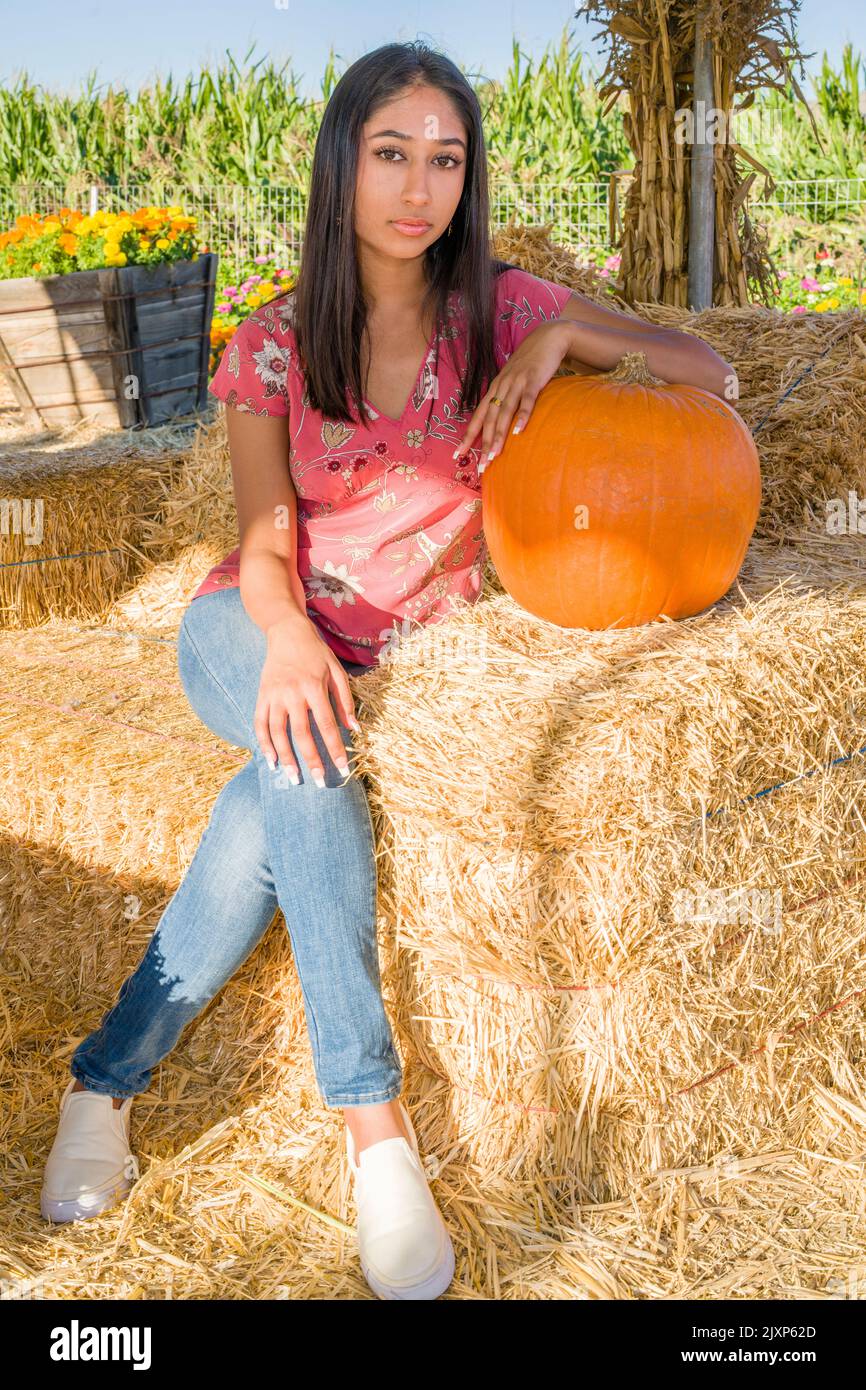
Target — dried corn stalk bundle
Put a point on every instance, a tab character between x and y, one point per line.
651	60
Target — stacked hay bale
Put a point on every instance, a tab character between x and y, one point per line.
563	822
597	1068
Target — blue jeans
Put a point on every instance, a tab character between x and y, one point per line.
306	850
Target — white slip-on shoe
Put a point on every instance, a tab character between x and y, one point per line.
90	1166
403	1242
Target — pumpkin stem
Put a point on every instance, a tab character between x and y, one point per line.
633	366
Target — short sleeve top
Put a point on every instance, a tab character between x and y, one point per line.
389	523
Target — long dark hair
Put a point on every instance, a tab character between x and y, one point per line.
329	311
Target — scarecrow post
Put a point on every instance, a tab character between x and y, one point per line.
702	206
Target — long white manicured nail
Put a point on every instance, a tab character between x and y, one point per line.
344	768
318	779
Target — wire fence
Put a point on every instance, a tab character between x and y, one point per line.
240	221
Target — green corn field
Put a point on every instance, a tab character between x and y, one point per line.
249	124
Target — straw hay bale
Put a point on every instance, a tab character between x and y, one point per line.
617	1101
532	841
79	508
543	797
243	1191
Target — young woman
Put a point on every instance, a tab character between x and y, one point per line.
361	409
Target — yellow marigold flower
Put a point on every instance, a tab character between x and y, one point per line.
845	280
821	306
163	243
834	303
254	299
68	243
863	296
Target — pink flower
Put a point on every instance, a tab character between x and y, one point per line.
605	274
224	308
783	274
799	309
613	262
809	282
261	260
252	280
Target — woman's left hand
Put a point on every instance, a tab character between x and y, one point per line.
527	371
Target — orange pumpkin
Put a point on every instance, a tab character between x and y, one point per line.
623	499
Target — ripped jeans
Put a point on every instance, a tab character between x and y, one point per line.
306	850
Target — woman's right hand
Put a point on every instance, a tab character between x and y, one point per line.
299	672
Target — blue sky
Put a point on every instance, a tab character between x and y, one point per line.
58	42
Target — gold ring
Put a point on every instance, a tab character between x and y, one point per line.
495	400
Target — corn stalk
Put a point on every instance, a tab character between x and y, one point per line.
650	59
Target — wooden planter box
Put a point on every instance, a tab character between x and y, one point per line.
69	344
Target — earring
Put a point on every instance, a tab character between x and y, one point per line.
450	225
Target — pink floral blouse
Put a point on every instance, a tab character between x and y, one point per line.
389	523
